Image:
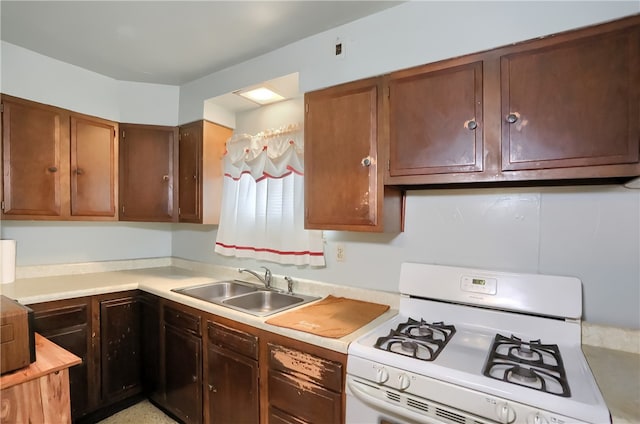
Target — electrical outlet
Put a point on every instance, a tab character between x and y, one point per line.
340	255
339	49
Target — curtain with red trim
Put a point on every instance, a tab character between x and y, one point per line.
262	215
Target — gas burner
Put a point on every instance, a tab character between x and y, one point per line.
530	364
417	339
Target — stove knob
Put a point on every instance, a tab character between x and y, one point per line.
537	419
403	381
382	375
506	414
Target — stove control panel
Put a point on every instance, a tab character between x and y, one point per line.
476	284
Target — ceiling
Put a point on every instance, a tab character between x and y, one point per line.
168	42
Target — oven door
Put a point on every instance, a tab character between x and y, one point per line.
365	408
369	403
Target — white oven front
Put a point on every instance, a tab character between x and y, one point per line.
369	403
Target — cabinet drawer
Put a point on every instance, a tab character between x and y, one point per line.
238	341
276	416
304	400
305	366
47	320
182	320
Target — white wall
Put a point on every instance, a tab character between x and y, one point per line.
43	243
410	34
36	77
590	232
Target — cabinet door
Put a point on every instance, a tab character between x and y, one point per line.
93	167
147	173
183	374
232	382
343	185
35	154
190	172
435	120
67	324
201	149
121	350
572	104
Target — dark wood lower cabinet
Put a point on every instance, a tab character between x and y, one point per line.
232	376
182	365
136	344
67	323
121	348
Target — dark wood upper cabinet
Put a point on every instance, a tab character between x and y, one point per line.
563	107
573	103
201	148
147	166
435	120
35	150
94	160
343	175
57	164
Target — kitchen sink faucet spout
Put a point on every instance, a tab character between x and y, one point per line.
266	280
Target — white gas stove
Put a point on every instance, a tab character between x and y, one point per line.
472	346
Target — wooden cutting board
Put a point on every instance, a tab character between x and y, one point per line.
332	317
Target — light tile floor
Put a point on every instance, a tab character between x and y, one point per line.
140	413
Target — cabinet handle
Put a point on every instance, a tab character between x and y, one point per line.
79	171
195	177
194	378
52	169
513	117
471	125
212	389
366	161
165	178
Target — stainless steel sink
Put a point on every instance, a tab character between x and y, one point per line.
263	303
245	297
218	290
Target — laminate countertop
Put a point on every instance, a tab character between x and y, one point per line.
160	281
618	376
617	372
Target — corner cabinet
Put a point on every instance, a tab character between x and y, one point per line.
563	107
201	148
148	163
344	187
58	165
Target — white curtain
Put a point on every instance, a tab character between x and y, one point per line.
262	214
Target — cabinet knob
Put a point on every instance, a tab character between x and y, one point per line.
513	117
195	177
79	171
366	161
212	389
471	125
194	378
165	178
52	169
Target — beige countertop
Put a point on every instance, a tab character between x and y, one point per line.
617	372
160	281
618	376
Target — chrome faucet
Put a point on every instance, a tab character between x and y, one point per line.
267	275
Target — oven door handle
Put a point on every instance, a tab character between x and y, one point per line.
362	392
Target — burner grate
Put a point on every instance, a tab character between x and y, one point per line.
417	339
530	364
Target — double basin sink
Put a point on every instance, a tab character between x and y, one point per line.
245	297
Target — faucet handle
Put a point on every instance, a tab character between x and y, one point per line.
289	284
